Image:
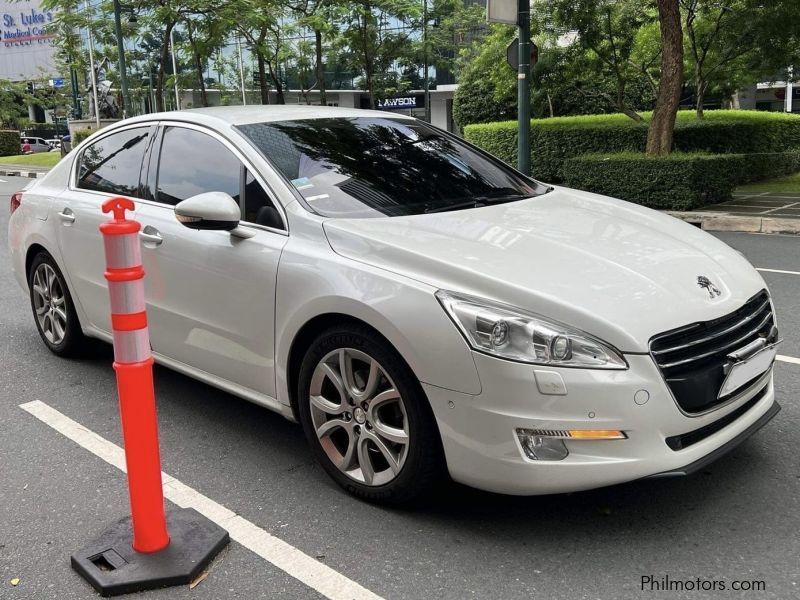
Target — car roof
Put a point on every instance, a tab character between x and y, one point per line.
260	113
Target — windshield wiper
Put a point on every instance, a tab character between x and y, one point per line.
477	202
456	206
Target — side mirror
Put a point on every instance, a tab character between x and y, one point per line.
211	210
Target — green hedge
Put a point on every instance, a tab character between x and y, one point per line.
769	165
554	141
677	182
9	142
680	181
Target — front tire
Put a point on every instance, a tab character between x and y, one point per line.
53	310
367	419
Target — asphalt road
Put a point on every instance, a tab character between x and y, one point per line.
737	520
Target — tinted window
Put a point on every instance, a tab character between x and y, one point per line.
112	165
375	166
194	163
258	207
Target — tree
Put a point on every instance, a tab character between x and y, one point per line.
487	89
606	31
732	43
662	125
373	37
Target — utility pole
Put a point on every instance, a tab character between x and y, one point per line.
174	69
123	69
425	58
523	88
91	66
241	68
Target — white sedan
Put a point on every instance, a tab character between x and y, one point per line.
422	309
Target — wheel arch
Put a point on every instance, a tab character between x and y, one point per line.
305	336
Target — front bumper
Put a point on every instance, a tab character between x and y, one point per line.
483	451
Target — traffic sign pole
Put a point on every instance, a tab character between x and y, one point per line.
523	88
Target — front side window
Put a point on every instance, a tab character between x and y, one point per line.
192	163
113	164
378	166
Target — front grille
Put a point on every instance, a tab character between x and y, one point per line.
684	440
692	358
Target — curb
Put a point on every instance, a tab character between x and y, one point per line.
15	173
728	222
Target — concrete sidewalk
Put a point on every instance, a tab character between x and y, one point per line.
23	171
751	212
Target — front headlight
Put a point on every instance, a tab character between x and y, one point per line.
515	334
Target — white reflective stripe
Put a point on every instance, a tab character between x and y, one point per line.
131	346
122	251
127	297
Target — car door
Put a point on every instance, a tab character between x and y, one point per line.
109	167
210	294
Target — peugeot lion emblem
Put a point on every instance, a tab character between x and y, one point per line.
705	283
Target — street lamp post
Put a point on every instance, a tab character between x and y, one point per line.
174	69
523	88
425	58
123	70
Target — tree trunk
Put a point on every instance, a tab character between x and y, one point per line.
279	98
198	65
161	63
662	126
262	78
700	92
320	68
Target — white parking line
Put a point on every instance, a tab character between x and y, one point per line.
314	574
789	359
778	271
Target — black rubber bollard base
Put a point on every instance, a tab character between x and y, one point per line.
112	566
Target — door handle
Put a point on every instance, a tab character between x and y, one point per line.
67	216
151	236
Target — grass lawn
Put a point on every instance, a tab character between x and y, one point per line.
41	159
782	184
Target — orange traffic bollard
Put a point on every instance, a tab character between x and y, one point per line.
134	367
137	552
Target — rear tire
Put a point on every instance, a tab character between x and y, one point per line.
53	309
367	419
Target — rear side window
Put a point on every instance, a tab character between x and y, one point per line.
112	164
191	163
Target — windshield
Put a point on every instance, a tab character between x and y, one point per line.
377	166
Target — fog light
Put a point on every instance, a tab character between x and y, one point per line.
542	447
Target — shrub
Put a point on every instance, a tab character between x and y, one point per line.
680	181
9	142
555	140
80	135
768	165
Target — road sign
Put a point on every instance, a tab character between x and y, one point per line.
57	82
502	11
512	54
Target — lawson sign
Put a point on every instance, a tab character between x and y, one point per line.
26	37
402	102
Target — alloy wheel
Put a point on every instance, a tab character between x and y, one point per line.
49	303
359	416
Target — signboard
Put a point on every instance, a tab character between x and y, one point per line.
26	50
502	11
512	54
58	82
401	102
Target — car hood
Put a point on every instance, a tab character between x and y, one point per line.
614	269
